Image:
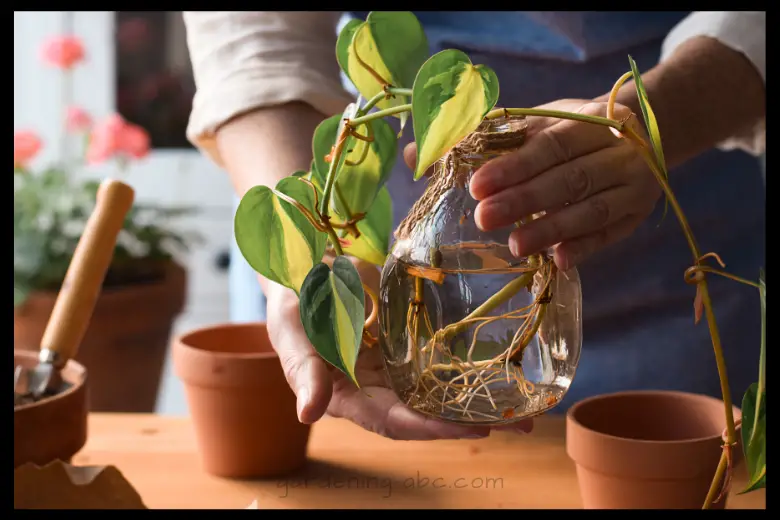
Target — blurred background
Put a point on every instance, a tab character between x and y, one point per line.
136	64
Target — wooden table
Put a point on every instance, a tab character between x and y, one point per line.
351	468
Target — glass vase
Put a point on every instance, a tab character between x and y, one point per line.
469	333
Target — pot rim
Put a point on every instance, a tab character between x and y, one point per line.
78	368
183	342
572	419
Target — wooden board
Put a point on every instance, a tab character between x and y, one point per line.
351	468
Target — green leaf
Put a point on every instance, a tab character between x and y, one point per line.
359	184
332	308
392	43
754	437
274	237
375	228
649	116
450	98
650	122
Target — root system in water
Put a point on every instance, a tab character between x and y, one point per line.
486	345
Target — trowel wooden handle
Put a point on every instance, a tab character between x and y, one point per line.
87	270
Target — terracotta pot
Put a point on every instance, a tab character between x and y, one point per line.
54	428
125	344
242	409
647	449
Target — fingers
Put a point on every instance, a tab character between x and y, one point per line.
377	409
573	252
548	147
566	184
410	158
410	155
306	372
574	221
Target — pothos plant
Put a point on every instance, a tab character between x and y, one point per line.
342	203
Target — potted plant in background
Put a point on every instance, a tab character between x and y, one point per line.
124	348
341	205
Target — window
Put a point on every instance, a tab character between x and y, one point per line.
154	83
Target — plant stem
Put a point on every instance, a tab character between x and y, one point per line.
716	482
498	112
400	91
702	284
491	303
380	114
329	182
371	103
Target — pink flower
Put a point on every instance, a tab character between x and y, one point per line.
114	136
27	144
77	120
135	141
62	51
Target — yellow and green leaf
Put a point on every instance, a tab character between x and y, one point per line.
375	228
332	309
450	98
358	184
650	122
392	44
275	237
647	112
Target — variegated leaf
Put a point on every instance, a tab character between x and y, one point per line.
392	44
375	228
275	237
449	101
365	166
332	308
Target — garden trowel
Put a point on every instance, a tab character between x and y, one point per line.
76	299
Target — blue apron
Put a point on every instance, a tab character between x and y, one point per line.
638	330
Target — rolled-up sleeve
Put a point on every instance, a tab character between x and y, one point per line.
247	60
742	31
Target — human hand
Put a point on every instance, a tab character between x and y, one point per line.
594	188
320	387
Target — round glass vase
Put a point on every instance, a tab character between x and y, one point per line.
469	333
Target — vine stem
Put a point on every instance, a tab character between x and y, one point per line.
706	301
380	114
329	181
493	114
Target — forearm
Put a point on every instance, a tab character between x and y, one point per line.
703	94
266	145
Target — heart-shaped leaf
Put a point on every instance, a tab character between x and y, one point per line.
375	228
275	237
332	308
391	43
754	437
365	167
450	98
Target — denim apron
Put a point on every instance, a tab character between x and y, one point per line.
638	328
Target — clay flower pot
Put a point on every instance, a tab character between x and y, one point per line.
242	409
647	449
54	428
125	344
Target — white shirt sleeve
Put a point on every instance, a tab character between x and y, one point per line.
743	31
243	60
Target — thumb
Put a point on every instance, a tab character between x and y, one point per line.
306	372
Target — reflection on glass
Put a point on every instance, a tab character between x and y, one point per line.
153	74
